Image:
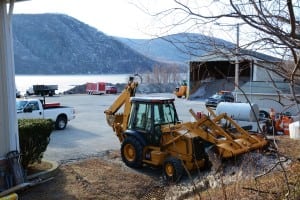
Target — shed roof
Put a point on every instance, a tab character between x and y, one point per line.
229	55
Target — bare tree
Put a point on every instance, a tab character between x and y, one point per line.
274	29
163	74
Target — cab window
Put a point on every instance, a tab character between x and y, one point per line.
142	118
164	114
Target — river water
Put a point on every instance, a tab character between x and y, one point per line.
66	82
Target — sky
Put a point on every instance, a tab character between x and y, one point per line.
124	18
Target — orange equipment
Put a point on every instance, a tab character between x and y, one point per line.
282	124
182	90
286	120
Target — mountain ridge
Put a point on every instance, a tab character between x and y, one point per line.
59	44
179	48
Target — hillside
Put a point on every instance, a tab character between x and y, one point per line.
180	48
59	44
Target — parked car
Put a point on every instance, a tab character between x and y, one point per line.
111	90
222	96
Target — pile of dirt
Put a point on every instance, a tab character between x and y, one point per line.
144	88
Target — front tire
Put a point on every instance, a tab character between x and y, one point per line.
132	152
173	169
61	122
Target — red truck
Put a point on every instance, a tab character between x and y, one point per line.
100	88
95	88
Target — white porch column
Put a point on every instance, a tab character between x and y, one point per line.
9	137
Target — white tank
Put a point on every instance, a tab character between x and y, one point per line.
294	129
238	111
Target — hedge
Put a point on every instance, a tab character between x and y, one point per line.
34	137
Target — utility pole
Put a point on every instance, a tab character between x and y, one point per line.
237	66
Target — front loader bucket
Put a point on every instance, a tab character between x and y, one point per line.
239	146
228	144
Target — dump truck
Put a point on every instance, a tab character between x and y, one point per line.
151	133
42	90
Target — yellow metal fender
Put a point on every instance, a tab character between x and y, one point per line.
13	196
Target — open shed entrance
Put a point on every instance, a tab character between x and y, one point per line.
217	75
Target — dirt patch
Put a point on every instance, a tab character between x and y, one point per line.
107	177
104	177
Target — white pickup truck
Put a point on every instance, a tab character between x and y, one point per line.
34	108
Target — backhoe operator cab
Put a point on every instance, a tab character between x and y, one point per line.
147	116
146	143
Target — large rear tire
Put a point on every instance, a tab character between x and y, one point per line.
173	169
132	152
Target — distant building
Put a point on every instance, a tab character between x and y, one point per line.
215	71
221	65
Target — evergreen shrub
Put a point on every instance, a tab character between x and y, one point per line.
34	137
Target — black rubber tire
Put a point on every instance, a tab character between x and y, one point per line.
132	152
173	169
61	122
264	113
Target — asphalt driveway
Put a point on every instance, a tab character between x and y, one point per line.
89	134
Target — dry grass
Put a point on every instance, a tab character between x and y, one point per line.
281	180
271	186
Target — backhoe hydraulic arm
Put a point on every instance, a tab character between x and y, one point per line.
118	121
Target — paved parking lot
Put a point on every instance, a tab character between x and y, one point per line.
89	134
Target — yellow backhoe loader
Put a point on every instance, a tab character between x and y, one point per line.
151	133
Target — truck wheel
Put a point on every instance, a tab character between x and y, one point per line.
61	122
132	152
173	169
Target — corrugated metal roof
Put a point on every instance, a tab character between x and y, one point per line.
229	55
